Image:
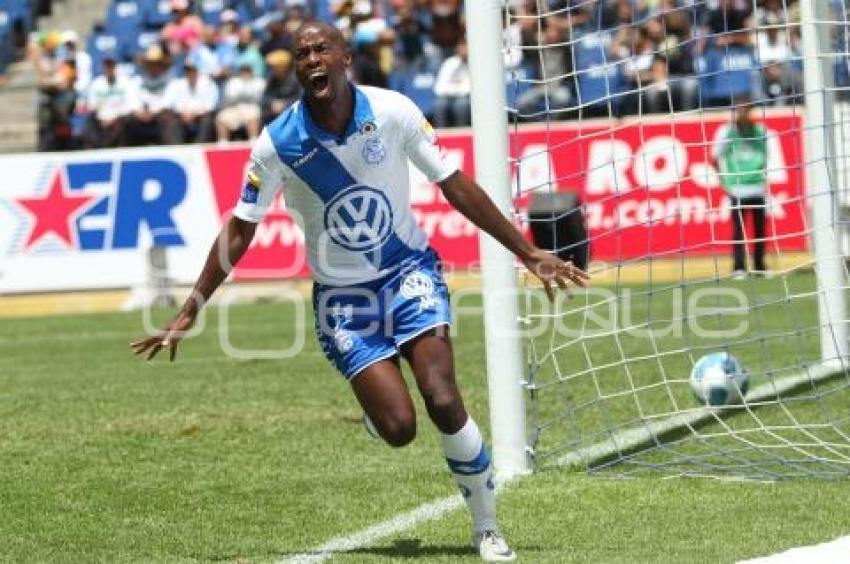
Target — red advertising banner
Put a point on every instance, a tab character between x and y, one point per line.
647	188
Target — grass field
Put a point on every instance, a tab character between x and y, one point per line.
106	458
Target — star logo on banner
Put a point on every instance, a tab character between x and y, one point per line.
53	213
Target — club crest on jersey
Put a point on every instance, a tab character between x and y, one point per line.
374	151
418	285
359	218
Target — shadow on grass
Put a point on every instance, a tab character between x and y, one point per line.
413	548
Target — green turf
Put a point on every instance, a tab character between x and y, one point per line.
109	459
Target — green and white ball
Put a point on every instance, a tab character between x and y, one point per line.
719	379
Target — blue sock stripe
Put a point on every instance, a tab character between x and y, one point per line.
469	468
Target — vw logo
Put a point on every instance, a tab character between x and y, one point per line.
359	218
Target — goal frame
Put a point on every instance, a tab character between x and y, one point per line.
503	340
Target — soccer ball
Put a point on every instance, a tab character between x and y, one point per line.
719	379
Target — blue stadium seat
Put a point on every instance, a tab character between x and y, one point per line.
6	40
417	83
210	10
124	21
250	10
20	13
100	43
124	16
598	78
725	73
155	13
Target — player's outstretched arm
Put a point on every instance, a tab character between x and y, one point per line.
228	248
471	200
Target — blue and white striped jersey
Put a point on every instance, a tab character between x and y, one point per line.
350	194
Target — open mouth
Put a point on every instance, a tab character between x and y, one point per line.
319	82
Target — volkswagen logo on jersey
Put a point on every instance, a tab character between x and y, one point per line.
359	218
374	151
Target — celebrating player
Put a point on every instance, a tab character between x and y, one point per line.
341	157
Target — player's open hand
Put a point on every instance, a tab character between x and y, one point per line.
168	337
551	271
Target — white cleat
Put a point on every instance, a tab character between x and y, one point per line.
492	547
739	275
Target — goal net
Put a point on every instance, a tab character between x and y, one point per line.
632	127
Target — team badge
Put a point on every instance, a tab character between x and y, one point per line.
374	151
419	285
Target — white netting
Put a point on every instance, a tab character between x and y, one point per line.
622	104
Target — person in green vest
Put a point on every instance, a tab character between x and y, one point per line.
740	155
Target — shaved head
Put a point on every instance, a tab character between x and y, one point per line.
324	28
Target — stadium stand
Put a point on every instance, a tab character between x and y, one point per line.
624	56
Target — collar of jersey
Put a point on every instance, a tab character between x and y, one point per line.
362	113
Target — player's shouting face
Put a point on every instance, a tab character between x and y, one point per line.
322	58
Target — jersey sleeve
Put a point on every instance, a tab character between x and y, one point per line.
420	143
264	180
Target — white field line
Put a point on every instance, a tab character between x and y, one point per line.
402	522
366	537
834	552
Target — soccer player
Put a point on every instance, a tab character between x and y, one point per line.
740	153
340	155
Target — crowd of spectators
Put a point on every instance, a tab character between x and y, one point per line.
175	71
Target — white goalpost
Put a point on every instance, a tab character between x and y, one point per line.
624	136
499	290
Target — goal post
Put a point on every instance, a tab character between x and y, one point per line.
601	381
823	179
505	368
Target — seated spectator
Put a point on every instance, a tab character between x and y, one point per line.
446	25
56	96
248	54
206	55
367	62
82	60
452	88
554	65
183	32
772	44
240	111
152	122
728	17
56	108
107	101
282	87
193	99
413	43
727	71
638	53
278	38
296	15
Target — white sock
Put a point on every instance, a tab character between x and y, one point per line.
470	465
